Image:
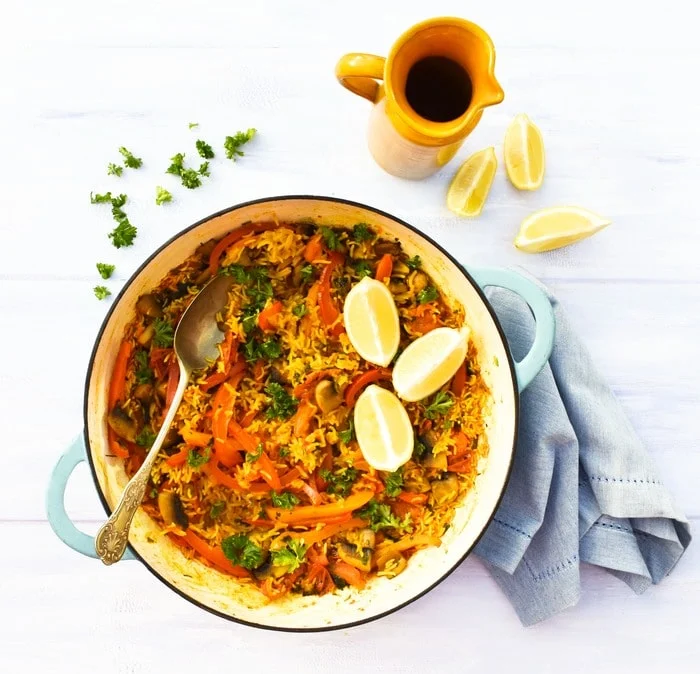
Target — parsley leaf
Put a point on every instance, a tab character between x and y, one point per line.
428	294
205	150
190	179
362	232
117	202
414	262
216	509
239	273
146	437
269	349
240	550
284	451
123	234
164	334
129	160
299	310
348	434
100	198
114	170
101	292
419	450
290	556
177	164
232	144
282	404
284	500
204	169
252	457
341	482
196	460
307	273
393	484
330	238
363	268
441	405
193	125
105	270
379	516
143	373
162	195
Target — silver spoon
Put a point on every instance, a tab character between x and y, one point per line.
195	342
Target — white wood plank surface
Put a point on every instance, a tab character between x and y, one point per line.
611	85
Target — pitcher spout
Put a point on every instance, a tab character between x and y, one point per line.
490	93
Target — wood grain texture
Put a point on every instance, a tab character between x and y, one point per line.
611	87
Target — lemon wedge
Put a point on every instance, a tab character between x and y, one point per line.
383	429
372	321
523	151
470	187
556	227
429	362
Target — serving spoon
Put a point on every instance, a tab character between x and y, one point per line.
195	343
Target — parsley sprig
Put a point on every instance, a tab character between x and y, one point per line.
291	556
233	144
240	550
282	404
442	402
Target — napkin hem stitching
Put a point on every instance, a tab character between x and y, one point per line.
552	570
599	478
510	526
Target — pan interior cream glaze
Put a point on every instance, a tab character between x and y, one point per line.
225	595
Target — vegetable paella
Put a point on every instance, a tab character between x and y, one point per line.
261	475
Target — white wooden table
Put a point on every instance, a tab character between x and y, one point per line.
614	90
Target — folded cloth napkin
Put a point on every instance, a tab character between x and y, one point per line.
583	488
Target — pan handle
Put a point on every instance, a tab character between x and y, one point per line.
55	507
529	367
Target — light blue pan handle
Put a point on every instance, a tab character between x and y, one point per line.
529	367
55	506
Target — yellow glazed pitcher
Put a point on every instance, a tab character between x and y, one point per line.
437	80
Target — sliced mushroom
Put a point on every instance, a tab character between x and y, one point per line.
172	438
400	269
398	287
361	559
204	250
382	247
143	392
437	461
363	538
244	258
418	281
162	389
269	570
148	305
276	376
122	424
327	396
445	490
171	509
429	438
392	565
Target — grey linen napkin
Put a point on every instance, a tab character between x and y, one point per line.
583	488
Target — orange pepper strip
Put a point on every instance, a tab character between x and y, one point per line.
248	418
465	466
115	447
322	512
223	411
329	311
313	249
195	438
173	379
317	535
214	555
302	418
384	268
211	468
117	385
459	380
231	238
268	472
267	317
246	440
349	574
300	390
179	458
357	384
461	445
412	498
289	477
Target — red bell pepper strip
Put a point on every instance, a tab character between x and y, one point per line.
231	238
362	380
214	555
384	268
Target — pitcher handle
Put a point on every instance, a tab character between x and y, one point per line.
529	367
55	505
359	73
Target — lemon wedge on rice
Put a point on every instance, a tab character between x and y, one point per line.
429	362
383	429
523	151
471	184
556	227
372	321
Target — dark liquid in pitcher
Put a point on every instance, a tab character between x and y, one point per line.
438	88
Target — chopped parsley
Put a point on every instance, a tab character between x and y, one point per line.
164	334
282	404
285	500
284	451
196	460
204	149
363	268
442	402
114	169
330	238
290	556
100	198
428	294
240	550
414	262
105	270
144	374
419	450
341	482
129	160
393	484
193	125
123	234
204	169
190	179
268	349
307	273
379	516
233	144
146	437
348	434
162	195
299	310
216	509
252	457
177	164
362	232
101	292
